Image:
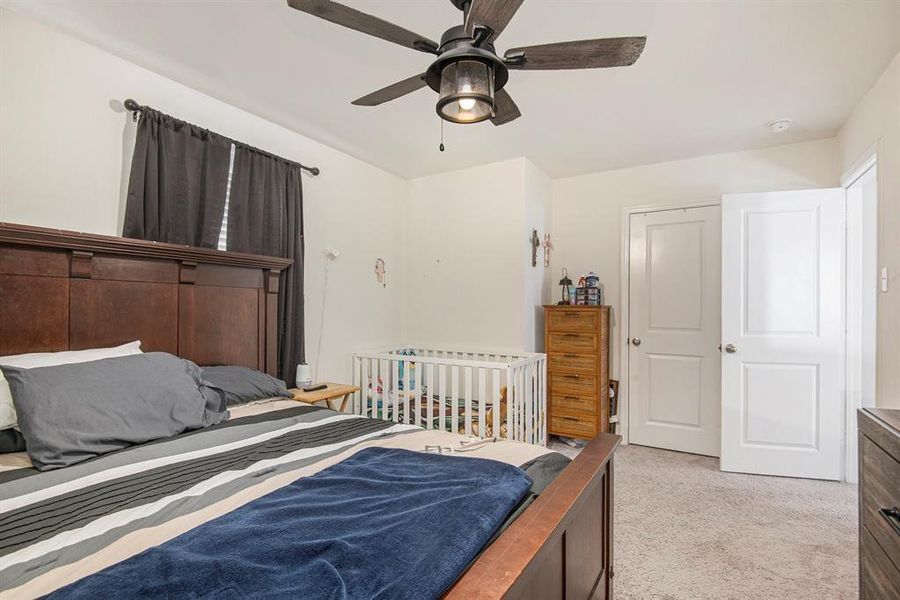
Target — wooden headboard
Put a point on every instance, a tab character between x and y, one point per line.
61	290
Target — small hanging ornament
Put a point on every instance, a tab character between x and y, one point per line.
548	246
380	272
535	244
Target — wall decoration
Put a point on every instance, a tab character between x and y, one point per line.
535	244
548	246
380	272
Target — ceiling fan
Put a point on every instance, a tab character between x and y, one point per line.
468	74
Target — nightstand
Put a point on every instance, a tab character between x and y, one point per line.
334	390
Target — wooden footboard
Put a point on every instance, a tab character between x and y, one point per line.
561	546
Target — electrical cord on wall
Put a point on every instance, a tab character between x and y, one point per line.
331	254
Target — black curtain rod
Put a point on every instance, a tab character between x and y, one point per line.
133	106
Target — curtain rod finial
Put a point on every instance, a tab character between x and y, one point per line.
314	170
131	104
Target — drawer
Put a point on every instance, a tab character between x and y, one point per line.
579	343
879	577
573	403
576	383
572	361
572	319
579	426
880	489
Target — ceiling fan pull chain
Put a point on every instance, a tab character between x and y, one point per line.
442	135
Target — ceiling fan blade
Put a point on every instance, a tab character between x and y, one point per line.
583	54
505	110
360	21
392	92
493	14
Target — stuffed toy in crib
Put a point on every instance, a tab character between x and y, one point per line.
489	420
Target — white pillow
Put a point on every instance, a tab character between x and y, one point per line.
51	359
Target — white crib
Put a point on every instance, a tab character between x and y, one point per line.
455	390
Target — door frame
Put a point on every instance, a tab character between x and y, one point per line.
853	329
625	295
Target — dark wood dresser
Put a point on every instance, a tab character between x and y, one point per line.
576	340
879	503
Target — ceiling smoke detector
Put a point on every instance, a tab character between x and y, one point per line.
780	125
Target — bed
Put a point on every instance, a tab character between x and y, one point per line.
64	291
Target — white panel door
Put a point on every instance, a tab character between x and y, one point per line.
782	329
674	325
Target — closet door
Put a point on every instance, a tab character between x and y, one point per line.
674	326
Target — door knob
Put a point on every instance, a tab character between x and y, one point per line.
730	349
636	341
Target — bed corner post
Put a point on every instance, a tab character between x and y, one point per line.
269	304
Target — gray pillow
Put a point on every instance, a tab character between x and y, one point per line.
240	385
70	413
11	441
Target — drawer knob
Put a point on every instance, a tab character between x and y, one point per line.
573	376
571	418
572	335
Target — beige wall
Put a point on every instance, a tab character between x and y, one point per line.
65	146
455	245
587	210
536	280
875	124
471	284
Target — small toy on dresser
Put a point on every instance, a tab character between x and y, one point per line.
588	292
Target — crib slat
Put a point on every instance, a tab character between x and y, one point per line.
429	394
418	395
369	386
520	401
405	391
385	386
482	400
468	400
356	381
529	403
395	388
454	407
442	395
498	405
510	404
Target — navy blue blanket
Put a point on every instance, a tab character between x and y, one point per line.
385	523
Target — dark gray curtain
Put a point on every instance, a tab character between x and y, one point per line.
265	216
179	175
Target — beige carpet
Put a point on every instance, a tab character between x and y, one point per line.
685	530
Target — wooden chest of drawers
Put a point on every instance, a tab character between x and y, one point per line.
576	341
879	503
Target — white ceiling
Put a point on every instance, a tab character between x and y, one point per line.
712	74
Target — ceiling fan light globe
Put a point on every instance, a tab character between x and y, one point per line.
466	92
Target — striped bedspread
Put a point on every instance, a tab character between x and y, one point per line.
56	527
